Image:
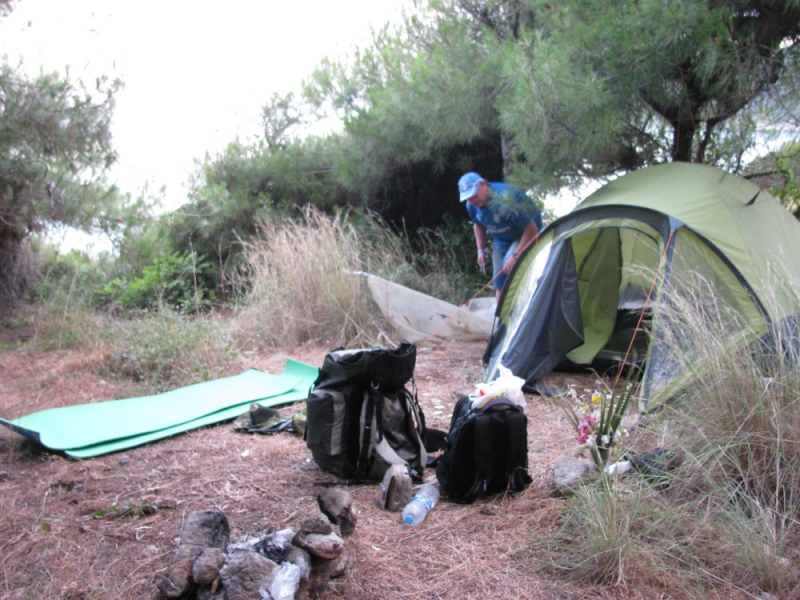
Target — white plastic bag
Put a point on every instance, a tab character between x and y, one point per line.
285	581
506	385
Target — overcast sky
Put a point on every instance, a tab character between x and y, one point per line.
196	73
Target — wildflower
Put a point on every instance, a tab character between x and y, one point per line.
584	430
589	411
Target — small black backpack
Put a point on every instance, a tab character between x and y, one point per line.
361	418
486	451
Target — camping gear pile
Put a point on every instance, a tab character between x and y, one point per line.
363	424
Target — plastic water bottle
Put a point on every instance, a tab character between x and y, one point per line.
421	504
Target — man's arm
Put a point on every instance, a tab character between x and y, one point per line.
480	240
527	238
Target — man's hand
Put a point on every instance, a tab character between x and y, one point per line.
482	259
509	264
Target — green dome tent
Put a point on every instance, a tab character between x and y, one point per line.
600	281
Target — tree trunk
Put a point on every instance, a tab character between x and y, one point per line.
682	136
507	148
17	271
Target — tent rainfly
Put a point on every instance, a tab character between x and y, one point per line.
628	255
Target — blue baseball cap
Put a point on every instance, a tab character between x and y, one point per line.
468	185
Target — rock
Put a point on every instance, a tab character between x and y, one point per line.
337	505
203	529
568	471
327	546
207	529
176	580
656	462
322	571
207	566
245	573
211	593
338	566
276	545
316	524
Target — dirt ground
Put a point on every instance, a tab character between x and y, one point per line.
74	529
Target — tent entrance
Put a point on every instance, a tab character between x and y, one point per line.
615	267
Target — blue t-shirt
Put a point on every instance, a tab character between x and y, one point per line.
507	214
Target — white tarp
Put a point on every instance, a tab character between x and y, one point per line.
416	316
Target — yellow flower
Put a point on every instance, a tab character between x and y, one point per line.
596	398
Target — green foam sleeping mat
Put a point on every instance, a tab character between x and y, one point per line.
86	430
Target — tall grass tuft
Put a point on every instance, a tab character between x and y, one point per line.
727	519
302	284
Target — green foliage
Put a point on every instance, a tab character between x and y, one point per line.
164	349
171	281
401	105
242	186
54	143
74	272
61	299
600	87
574	89
445	257
565	91
788	191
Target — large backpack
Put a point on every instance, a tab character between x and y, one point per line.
486	451
361	418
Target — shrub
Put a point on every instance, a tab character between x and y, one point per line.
171	281
165	349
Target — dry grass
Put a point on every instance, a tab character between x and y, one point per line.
75	529
301	282
728	517
725	527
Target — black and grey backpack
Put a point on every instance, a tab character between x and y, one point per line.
361	418
485	451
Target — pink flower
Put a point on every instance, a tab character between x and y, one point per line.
584	431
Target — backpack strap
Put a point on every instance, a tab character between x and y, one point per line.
518	452
515	444
382	447
365	447
419	422
484	442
